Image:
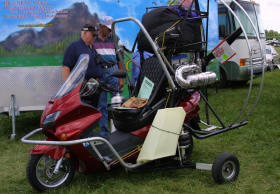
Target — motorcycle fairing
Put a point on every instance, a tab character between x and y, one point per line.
56	152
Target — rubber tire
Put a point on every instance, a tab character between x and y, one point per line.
218	167
193	124
223	79
239	83
190	149
189	141
31	173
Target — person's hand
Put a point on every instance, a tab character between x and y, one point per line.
121	83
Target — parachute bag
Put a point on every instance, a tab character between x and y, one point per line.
171	28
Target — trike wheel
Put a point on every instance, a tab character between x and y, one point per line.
40	172
225	168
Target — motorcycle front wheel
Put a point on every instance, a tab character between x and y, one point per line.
40	172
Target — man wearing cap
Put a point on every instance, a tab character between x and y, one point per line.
82	46
105	47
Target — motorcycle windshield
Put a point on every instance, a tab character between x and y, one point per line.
75	78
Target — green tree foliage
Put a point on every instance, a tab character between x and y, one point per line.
58	48
23	50
270	34
3	51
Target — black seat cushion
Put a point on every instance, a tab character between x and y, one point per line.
132	119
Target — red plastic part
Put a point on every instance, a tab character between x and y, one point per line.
56	152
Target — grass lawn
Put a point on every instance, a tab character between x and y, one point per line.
257	146
29	61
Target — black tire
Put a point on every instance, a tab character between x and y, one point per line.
223	79
225	168
187	141
34	177
239	83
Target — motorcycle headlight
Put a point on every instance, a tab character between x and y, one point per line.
50	119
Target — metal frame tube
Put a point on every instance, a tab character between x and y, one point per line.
210	134
212	109
262	56
154	46
250	57
57	165
79	141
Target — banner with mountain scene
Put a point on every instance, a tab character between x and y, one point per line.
37	32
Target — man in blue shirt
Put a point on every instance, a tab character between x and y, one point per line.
82	46
104	45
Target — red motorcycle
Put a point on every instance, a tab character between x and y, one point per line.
71	116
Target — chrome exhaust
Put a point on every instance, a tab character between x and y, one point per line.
190	77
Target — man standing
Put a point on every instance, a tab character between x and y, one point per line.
82	46
105	47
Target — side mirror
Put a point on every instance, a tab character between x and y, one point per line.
119	73
89	88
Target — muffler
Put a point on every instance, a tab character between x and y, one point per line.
190	77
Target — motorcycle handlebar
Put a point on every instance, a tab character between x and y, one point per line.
108	87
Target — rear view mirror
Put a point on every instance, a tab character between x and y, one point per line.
119	73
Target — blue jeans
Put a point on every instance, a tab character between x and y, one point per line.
102	103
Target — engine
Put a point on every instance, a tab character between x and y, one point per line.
189	74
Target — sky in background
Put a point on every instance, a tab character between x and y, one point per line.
270	10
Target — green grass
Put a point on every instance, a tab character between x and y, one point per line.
257	146
29	61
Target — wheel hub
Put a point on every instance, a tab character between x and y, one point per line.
49	172
229	170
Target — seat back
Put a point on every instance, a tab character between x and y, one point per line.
151	69
130	120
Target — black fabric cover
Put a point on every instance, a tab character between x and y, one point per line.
157	21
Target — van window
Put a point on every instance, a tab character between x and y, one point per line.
225	26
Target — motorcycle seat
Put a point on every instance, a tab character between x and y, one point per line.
131	119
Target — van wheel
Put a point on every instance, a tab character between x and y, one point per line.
223	79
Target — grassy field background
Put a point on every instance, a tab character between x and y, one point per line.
29	61
257	146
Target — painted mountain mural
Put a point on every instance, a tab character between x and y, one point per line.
21	43
61	28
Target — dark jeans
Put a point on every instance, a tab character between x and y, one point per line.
102	103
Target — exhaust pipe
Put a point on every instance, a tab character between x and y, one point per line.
191	77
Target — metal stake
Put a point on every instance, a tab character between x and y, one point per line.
13	112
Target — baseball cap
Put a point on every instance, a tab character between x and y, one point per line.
91	28
106	21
